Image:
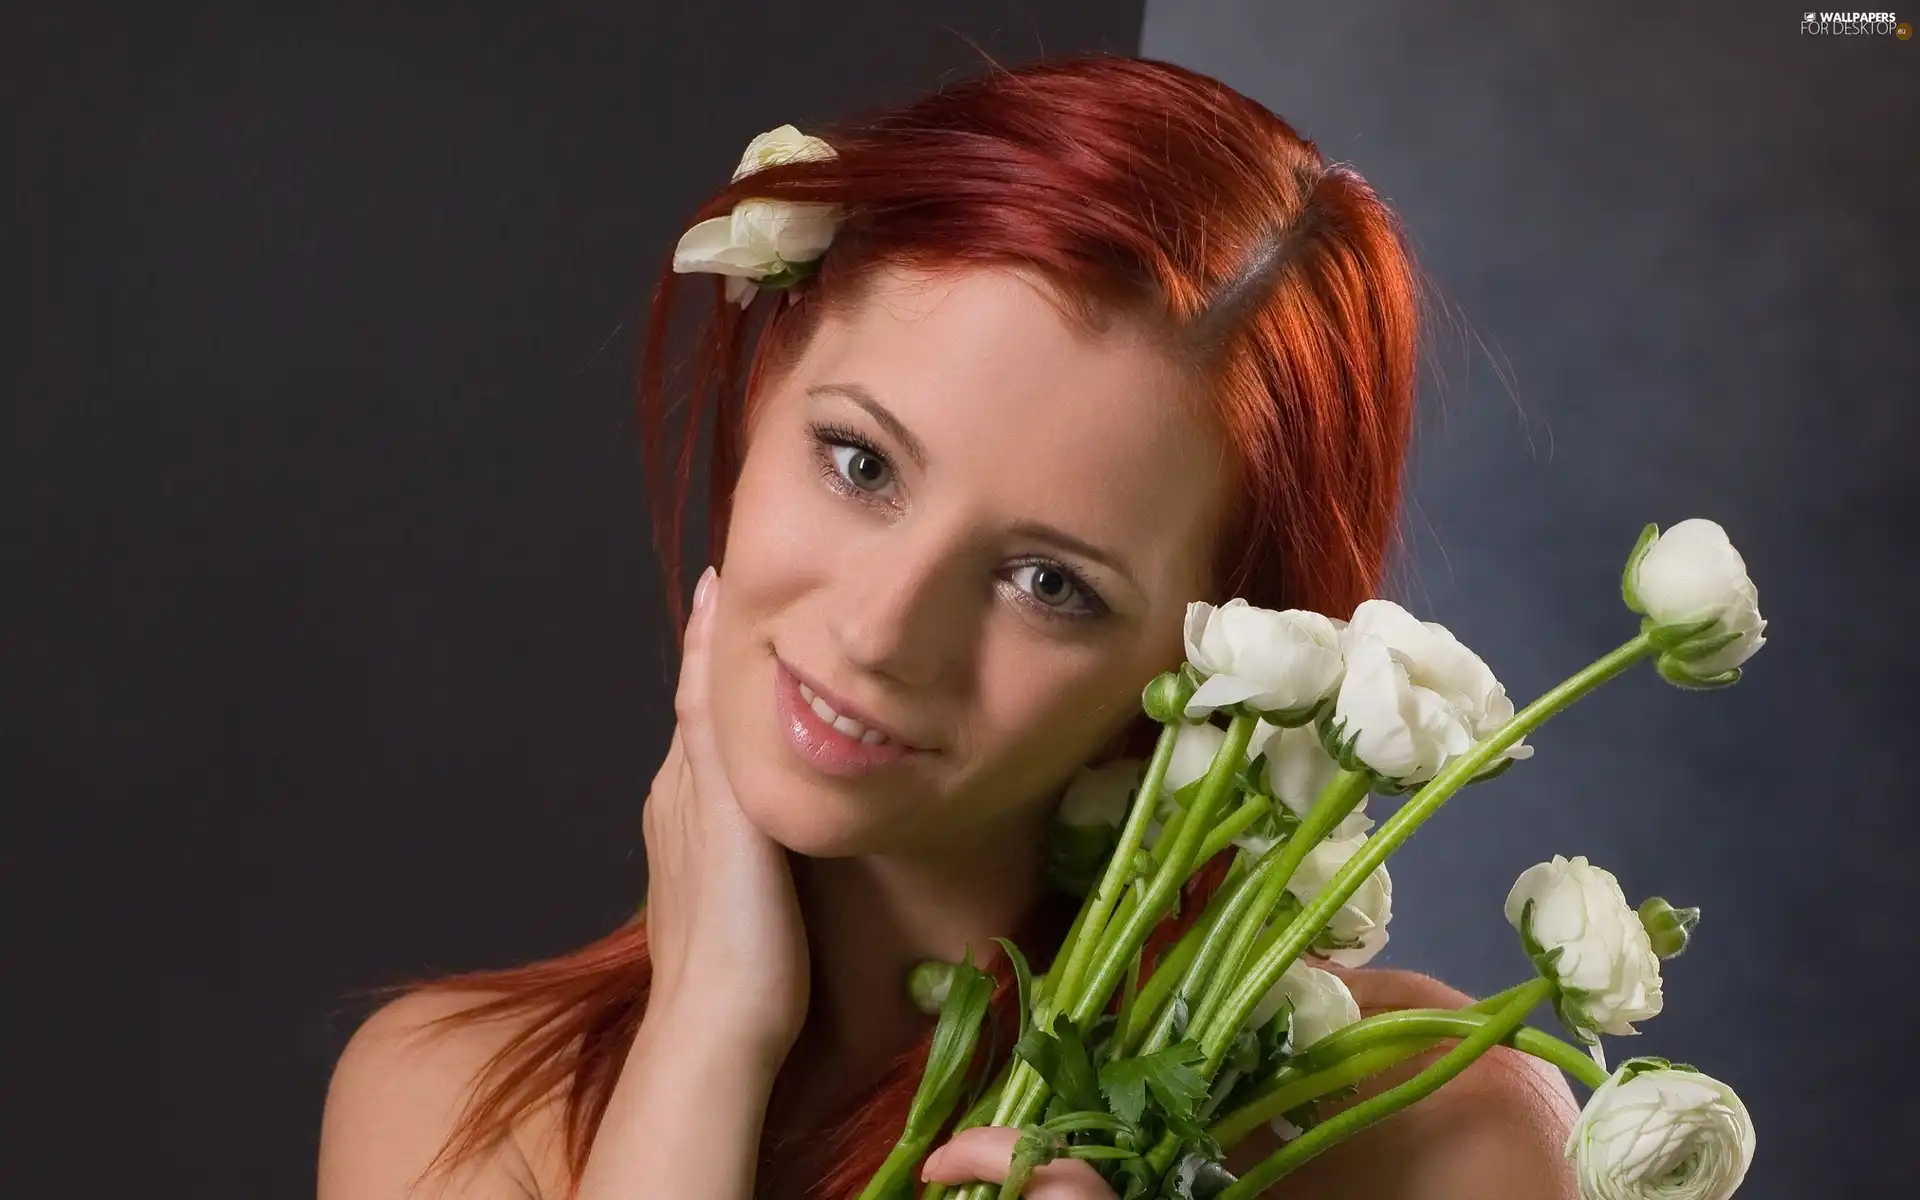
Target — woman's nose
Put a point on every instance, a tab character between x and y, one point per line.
906	611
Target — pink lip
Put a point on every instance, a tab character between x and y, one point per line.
820	744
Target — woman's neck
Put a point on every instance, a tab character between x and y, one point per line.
869	921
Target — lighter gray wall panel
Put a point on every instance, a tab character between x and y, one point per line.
1686	235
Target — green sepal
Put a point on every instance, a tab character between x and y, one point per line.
789	274
1666	637
1291	718
1640	548
1703	647
1675	673
1642	1063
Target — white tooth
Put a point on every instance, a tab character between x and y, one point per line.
826	714
806	693
849	726
873	737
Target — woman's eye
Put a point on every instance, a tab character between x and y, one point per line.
861	467
1056	589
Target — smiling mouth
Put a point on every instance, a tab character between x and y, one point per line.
827	741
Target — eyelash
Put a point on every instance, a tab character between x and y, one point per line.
827	437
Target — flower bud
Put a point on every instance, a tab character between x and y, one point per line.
928	984
1165	699
1669	928
1702	610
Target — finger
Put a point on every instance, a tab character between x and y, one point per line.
985	1152
696	679
689	697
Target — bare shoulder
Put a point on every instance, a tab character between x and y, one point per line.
396	1096
1507	1074
1497	1129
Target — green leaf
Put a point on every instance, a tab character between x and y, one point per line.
1061	1059
1022	977
954	1038
1168	1074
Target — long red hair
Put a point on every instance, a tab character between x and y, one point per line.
1142	191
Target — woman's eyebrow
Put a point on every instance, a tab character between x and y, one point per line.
879	412
917	451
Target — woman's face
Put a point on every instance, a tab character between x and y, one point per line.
977	525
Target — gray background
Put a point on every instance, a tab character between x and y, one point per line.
1680	250
334	650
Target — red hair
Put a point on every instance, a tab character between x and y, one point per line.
1141	191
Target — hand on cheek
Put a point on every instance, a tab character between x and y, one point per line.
982	1155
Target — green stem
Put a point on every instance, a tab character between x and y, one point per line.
1255	983
1173	965
1123	943
1496	1029
1335	801
1232	826
1026	1091
1377	1043
1119	867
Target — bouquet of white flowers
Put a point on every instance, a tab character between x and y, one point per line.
1276	729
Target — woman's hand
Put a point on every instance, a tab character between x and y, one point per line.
723	921
983	1154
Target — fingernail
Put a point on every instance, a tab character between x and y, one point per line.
701	589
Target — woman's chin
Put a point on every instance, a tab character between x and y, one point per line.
813	824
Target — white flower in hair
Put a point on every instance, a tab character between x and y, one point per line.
761	241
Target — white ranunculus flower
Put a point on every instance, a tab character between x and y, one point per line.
1413	696
1098	797
1654	1132
1358	929
1606	961
761	237
783	145
1194	748
1692	573
1274	661
1299	769
1321	1004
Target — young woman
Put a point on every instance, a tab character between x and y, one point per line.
1091	339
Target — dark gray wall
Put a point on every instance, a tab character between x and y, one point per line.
333	644
1687	236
